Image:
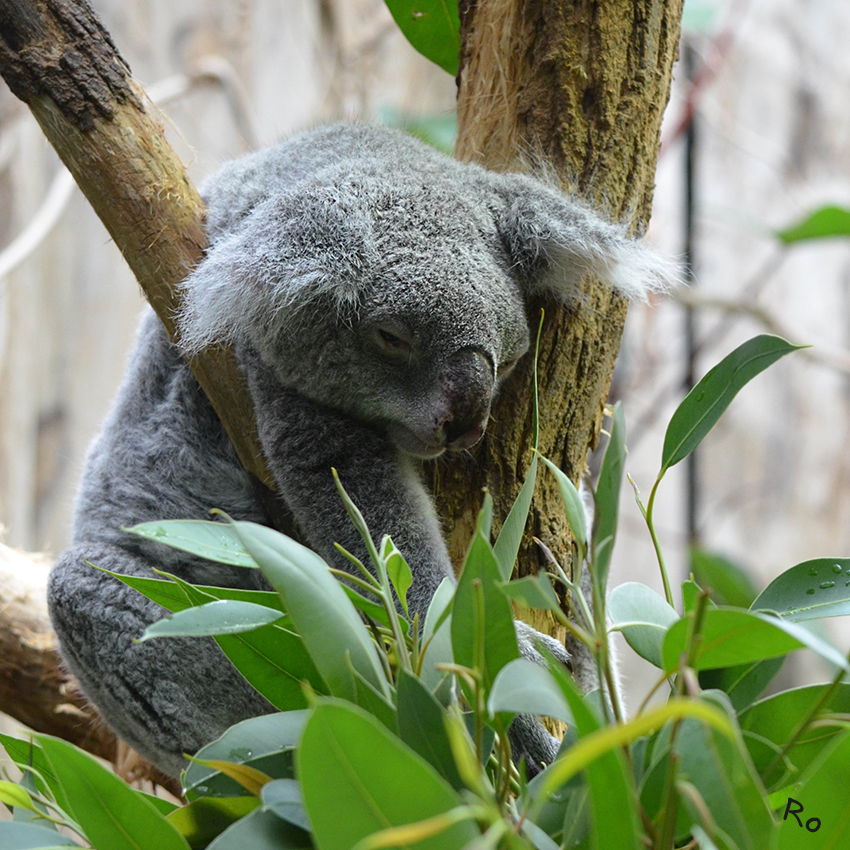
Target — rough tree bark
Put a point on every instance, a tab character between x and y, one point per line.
581	85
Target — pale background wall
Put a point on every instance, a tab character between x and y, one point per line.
775	134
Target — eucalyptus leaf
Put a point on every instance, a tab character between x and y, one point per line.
422	726
509	540
523	687
169	594
28	754
607	499
731	637
204	819
272	658
743	683
573	505
643	617
283	797
480	574
220	617
532	592
327	622
437	640
110	813
821	223
29	836
775	718
807	591
730	584
266	743
822	792
262	829
612	795
718	767
432	27
706	402
398	570
357	779
216	541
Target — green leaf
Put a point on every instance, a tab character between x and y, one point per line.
437	640
769	723
220	617
533	592
373	701
607	499
110	813
509	540
523	687
29	836
422	726
643	617
813	589
26	753
216	541
169	594
718	767
262	829
357	779
823	794
273	659
731	637
207	817
573	505
499	637
826	221
729	583
432	27
397	569
283	797
265	743
705	403
743	683
612	795
324	617
14	795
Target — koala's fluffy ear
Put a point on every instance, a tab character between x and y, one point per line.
290	254
553	240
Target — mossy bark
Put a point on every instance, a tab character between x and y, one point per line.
578	87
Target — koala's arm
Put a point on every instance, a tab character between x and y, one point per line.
303	441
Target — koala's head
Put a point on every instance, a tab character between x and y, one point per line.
378	277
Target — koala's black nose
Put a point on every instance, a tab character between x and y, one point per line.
467	384
459	437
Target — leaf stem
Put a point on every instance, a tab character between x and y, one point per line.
647	515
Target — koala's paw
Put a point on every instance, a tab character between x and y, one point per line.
528	639
530	740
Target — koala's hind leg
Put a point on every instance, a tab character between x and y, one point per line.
165	697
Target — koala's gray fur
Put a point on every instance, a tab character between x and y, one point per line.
374	291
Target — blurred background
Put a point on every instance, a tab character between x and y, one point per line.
766	84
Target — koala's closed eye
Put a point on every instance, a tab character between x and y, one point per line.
393	343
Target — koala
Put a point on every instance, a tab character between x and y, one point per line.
374	291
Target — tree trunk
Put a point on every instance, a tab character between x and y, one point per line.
578	87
